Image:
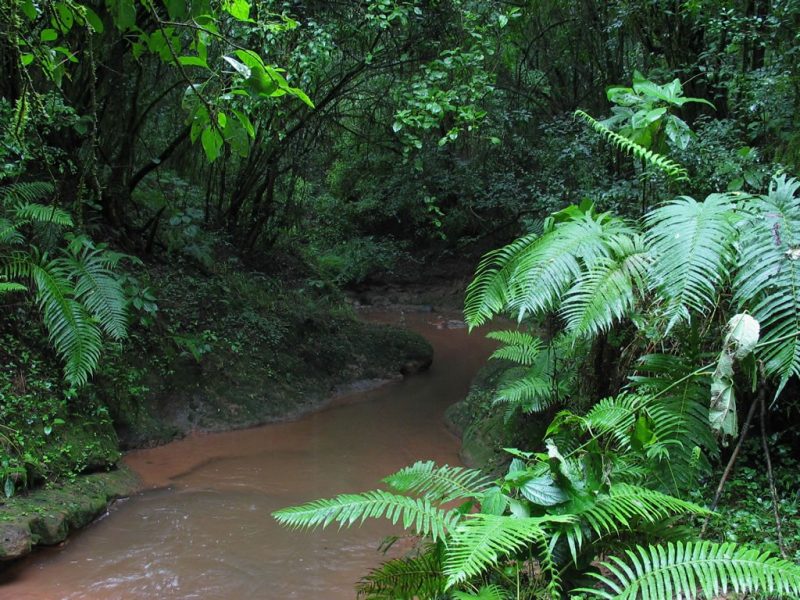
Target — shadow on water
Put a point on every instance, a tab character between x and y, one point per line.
204	529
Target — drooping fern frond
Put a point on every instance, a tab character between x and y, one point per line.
406	578
696	570
32	212
76	338
606	292
417	514
481	540
692	248
531	275
438	484
518	346
97	287
631	148
768	281
8	287
487	293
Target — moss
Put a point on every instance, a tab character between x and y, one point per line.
47	515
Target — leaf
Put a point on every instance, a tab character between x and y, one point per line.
193	61
8	487
242	69
238	9
543	491
94	21
743	334
48	35
212	143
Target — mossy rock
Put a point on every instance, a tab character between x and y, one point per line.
46	516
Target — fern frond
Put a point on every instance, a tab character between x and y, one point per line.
417	514
39	213
692	246
613	417
481	540
606	292
487	592
9	233
71	330
696	569
487	293
26	192
8	287
631	148
768	281
405	578
438	484
98	288
520	347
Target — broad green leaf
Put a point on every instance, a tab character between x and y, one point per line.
238	9
543	491
193	61
212	143
48	35
94	21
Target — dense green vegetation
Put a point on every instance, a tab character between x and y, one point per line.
189	189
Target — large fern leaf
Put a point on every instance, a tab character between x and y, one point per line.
692	246
416	514
481	540
768	281
438	484
98	288
25	192
73	333
696	569
606	292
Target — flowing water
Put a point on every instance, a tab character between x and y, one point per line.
204	530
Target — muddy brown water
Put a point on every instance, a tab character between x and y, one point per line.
203	528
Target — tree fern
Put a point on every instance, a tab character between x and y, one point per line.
438	484
692	247
696	569
417	514
768	281
631	148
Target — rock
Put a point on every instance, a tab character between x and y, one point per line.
49	529
15	541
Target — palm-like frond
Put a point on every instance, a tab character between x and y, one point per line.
8	287
438	484
768	281
406	578
607	291
696	569
519	347
481	540
631	148
487	592
417	514
692	247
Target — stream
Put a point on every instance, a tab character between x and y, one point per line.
202	527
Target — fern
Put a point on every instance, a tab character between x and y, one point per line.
768	281
481	540
631	148
519	347
607	291
531	275
488	592
347	509
97	287
438	484
405	578
621	509
692	248
696	569
25	192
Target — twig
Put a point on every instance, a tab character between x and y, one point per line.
772	488
734	455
